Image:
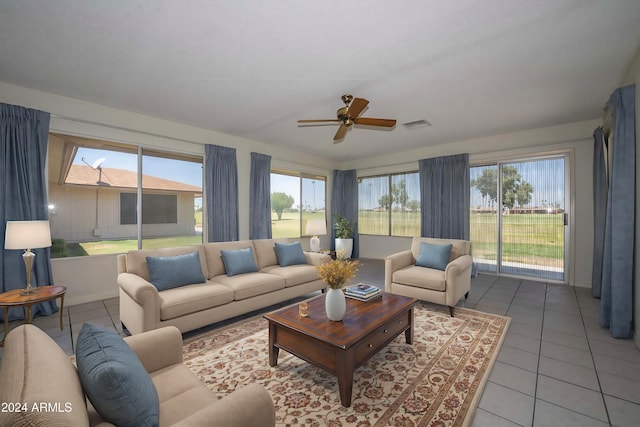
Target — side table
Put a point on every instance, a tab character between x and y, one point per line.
13	298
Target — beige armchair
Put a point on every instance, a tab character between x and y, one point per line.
403	277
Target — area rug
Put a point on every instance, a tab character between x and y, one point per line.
437	381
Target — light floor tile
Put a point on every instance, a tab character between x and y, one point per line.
574	374
615	366
571	397
507	403
567	340
519	358
483	418
567	354
524	329
620	387
622	413
532	345
515	378
549	415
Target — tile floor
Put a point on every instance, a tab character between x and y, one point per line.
557	367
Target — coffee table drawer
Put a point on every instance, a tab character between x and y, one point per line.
381	337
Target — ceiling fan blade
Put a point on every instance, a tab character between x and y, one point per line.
369	121
342	131
356	107
319	121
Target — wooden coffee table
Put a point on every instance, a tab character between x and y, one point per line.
340	347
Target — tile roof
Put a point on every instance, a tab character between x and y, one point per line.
120	178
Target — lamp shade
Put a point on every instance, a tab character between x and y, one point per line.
316	227
27	235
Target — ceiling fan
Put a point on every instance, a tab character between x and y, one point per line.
348	116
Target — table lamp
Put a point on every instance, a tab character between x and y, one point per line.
27	235
316	227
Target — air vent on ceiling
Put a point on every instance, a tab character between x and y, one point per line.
417	123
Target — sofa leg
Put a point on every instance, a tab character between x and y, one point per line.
466	295
451	310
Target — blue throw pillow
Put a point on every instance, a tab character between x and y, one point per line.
434	256
114	379
172	271
238	261
290	254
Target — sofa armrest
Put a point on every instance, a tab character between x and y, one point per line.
316	258
157	349
458	267
139	289
393	263
250	406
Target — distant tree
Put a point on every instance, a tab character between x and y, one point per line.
385	202
400	194
413	205
280	202
514	188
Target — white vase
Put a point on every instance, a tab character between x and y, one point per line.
344	248
335	304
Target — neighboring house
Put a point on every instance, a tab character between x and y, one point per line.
100	204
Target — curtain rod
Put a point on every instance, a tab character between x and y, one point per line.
157	135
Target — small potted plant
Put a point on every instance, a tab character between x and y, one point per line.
344	237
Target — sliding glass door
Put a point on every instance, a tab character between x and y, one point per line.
519	217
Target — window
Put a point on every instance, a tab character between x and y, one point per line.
295	198
93	195
389	205
157	208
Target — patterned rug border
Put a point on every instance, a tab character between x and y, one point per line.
243	329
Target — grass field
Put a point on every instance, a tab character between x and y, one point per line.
533	239
289	225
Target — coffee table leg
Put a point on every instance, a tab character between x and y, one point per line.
408	334
273	350
346	366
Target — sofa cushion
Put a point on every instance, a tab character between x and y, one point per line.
193	298
421	277
213	256
114	379
238	261
251	285
458	248
137	259
434	256
290	254
35	369
294	275
172	271
265	251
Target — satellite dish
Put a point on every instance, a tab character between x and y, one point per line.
98	163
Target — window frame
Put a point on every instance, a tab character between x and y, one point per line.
389	221
303	175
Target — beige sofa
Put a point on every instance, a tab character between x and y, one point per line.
143	307
36	371
403	277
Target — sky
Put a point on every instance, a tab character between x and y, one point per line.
174	170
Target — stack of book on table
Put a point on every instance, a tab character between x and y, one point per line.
363	292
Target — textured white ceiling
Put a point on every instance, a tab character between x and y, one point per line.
252	68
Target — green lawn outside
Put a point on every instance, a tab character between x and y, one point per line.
119	246
538	237
289	225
